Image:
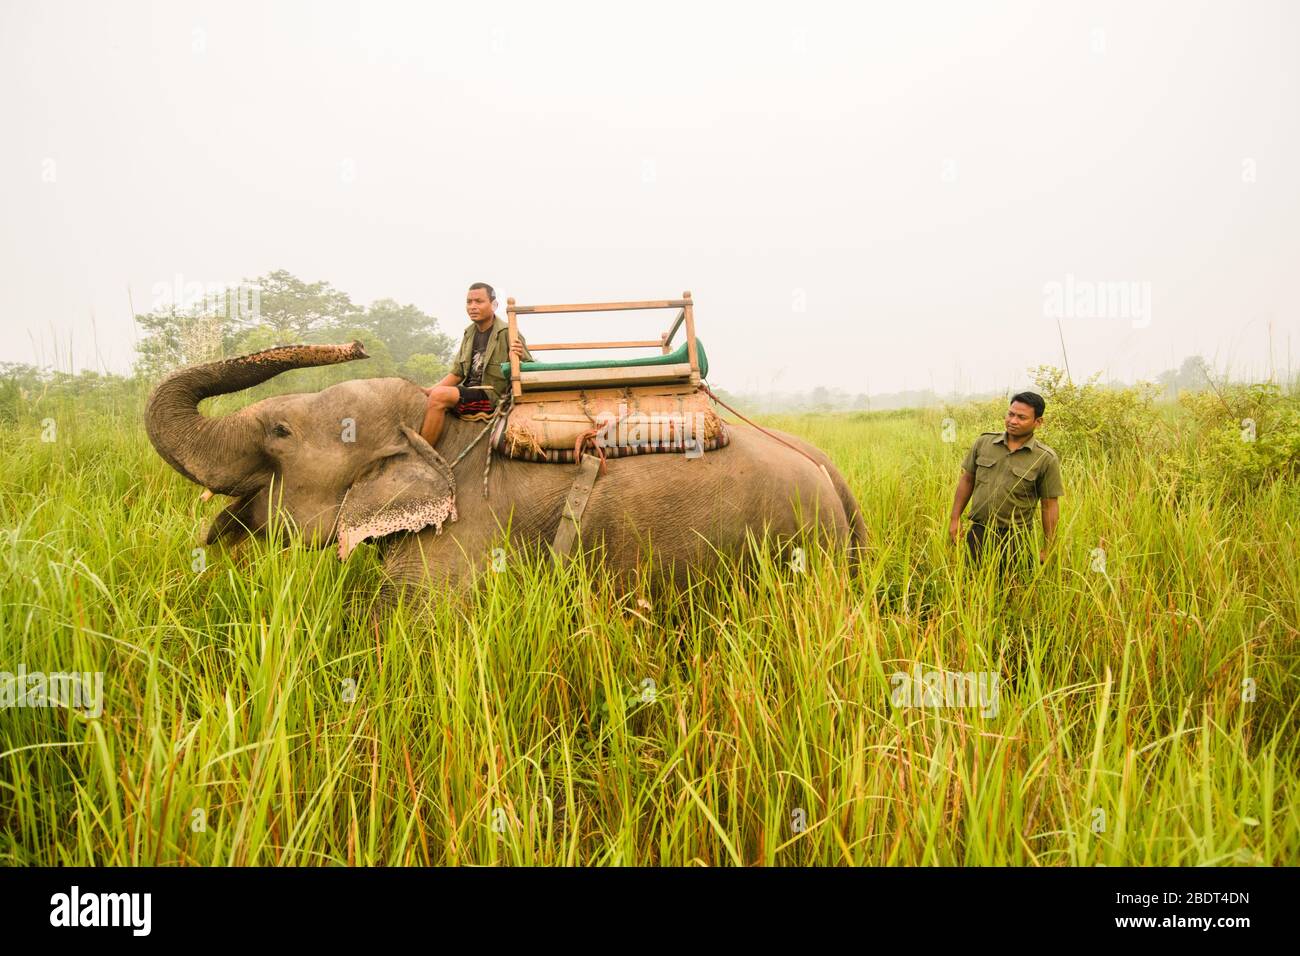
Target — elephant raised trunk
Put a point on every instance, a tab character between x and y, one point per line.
225	454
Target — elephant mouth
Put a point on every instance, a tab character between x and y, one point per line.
414	515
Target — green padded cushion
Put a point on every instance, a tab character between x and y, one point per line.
672	358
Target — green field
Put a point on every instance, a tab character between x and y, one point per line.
254	713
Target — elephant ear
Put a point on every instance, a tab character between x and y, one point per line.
407	490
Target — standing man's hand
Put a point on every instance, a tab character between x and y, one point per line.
1051	513
965	488
517	350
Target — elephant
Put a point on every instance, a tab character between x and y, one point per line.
347	464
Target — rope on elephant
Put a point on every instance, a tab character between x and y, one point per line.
502	408
820	467
479	437
487	467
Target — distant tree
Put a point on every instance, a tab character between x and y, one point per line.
401	339
175	337
28	389
19	383
425	368
1192	376
405	330
294	309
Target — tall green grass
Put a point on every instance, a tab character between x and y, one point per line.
255	713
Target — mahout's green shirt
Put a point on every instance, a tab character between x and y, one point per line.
496	352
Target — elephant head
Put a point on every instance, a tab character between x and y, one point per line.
344	464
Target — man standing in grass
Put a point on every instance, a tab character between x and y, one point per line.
1006	474
475	383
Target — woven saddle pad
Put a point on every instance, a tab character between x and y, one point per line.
624	423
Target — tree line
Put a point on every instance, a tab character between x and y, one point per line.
280	309
189	326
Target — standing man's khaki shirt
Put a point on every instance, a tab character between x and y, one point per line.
1009	484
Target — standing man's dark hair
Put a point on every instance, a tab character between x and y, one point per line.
491	293
1033	400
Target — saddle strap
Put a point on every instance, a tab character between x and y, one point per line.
574	506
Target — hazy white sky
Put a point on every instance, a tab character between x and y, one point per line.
867	197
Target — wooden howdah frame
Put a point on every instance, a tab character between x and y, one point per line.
554	385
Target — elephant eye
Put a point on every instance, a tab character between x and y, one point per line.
280	430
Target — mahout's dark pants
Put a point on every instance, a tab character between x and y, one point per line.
1012	548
